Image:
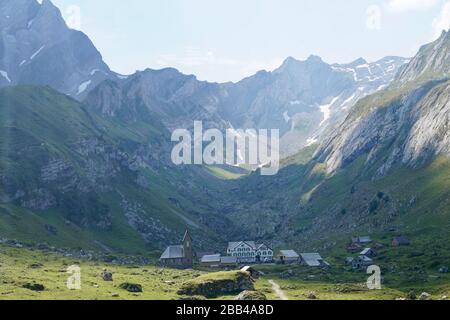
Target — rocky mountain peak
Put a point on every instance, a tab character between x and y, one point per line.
288	63
431	62
37	47
294	66
314	59
16	13
358	62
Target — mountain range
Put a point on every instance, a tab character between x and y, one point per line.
85	152
385	167
38	48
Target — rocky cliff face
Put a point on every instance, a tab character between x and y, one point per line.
432	61
37	47
410	130
386	164
301	98
406	123
304	98
98	176
167	96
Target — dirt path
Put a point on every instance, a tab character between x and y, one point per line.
276	288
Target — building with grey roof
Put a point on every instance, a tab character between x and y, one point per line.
368	252
288	256
363	239
179	256
361	262
313	260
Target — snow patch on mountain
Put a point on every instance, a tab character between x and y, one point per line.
4	74
311	141
83	87
326	110
34	55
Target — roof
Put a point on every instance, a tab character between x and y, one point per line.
263	246
206	253
289	254
233	245
228	259
365	251
173	252
248	268
312	259
187	235
211	258
365	259
365	239
402	240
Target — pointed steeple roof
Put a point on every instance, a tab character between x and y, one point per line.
187	235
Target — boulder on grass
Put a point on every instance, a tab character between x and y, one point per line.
411	295
107	275
424	296
191	298
311	296
251	295
131	287
212	285
34	286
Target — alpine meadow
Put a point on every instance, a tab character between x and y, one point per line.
307	180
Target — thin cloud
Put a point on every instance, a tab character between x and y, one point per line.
410	5
195	57
206	64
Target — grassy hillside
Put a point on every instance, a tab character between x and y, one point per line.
71	178
312	211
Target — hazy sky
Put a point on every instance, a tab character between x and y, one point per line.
226	40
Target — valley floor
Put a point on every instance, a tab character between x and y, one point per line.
19	267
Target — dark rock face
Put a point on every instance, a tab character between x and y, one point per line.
411	295
131	287
38	48
34	286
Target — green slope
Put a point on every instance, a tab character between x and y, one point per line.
71	178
